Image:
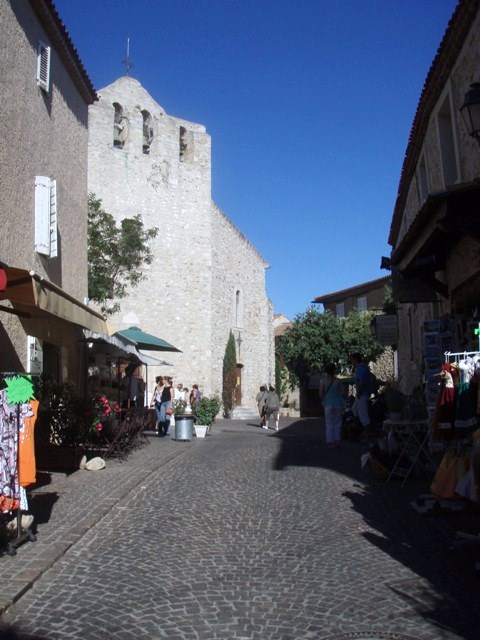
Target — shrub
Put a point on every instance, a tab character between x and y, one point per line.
206	410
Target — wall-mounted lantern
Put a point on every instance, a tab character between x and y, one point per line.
470	111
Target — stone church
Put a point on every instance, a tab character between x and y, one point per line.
206	279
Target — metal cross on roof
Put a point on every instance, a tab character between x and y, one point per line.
128	62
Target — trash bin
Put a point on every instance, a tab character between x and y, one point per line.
184	427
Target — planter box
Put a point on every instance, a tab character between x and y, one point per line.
200	430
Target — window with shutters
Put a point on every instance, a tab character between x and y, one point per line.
362	303
46	241
448	143
340	310
43	66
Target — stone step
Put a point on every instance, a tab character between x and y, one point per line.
244	413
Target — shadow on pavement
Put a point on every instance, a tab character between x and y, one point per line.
41	505
10	633
445	588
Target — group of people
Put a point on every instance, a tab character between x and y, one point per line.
268	404
334	396
163	398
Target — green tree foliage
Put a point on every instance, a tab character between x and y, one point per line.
389	304
310	343
229	375
116	254
357	337
316	339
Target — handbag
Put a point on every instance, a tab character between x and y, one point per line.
169	411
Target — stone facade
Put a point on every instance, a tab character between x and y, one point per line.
44	133
206	278
434	233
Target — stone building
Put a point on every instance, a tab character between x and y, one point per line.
45	93
435	233
206	279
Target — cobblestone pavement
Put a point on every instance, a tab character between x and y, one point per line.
245	535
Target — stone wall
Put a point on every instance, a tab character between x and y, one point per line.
42	134
462	264
201	260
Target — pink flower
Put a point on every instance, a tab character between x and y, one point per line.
99	426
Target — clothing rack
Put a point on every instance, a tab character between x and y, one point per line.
27	534
463	539
460	354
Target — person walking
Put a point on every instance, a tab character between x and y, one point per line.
156	401
166	409
261	399
272	406
333	395
195	395
362	393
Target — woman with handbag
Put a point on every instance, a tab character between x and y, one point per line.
166	408
333	395
156	401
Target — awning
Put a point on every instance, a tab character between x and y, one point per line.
145	340
33	296
117	346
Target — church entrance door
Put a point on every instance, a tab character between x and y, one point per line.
238	388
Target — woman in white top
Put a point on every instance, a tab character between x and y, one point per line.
156	400
333	395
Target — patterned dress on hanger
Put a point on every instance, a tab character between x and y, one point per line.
466	410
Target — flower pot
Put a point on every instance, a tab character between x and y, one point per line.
201	430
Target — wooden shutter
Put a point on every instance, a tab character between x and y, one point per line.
43	66
42	215
53	219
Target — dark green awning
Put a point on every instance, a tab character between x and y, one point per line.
146	341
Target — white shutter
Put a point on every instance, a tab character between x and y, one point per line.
53	219
43	66
35	355
42	215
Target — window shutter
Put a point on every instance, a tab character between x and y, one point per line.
43	66
53	219
42	215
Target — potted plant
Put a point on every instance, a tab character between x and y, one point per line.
183	420
205	413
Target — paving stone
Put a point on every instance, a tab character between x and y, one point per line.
247	534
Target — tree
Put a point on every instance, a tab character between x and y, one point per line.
358	338
313	340
316	339
116	254
229	375
389	304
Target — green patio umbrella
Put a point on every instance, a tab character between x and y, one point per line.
146	341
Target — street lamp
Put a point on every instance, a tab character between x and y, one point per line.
470	111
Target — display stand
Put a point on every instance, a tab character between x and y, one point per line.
27	534
413	438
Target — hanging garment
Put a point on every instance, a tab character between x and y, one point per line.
444	416
9	486
26	448
452	470
466	403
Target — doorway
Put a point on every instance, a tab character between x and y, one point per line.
238	387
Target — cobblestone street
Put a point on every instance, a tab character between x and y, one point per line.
251	535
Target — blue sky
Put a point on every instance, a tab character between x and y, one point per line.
309	104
